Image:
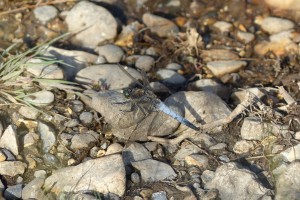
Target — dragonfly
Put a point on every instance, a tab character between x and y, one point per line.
143	102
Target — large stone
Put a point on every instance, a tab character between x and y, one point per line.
235	182
91	24
288	183
103	175
194	106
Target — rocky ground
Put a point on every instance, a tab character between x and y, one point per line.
229	67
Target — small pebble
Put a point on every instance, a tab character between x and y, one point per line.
174	66
50	160
104	145
162	195
135	178
77	106
159	25
243	146
101	153
220	68
71	123
94	151
112	53
86	118
40	174
151	51
45	13
145	63
224	158
223	26
245	37
30	139
207	176
114	148
170	77
71	161
200	161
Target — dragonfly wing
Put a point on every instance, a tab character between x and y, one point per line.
164	108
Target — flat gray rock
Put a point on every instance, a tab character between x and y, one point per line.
223	26
234	182
103	175
153	170
288	182
92	24
84	140
12	168
135	152
9	140
245	37
106	75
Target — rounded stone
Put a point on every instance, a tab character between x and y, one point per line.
86	117
145	63
170	77
275	25
112	53
40	99
92	24
45	13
